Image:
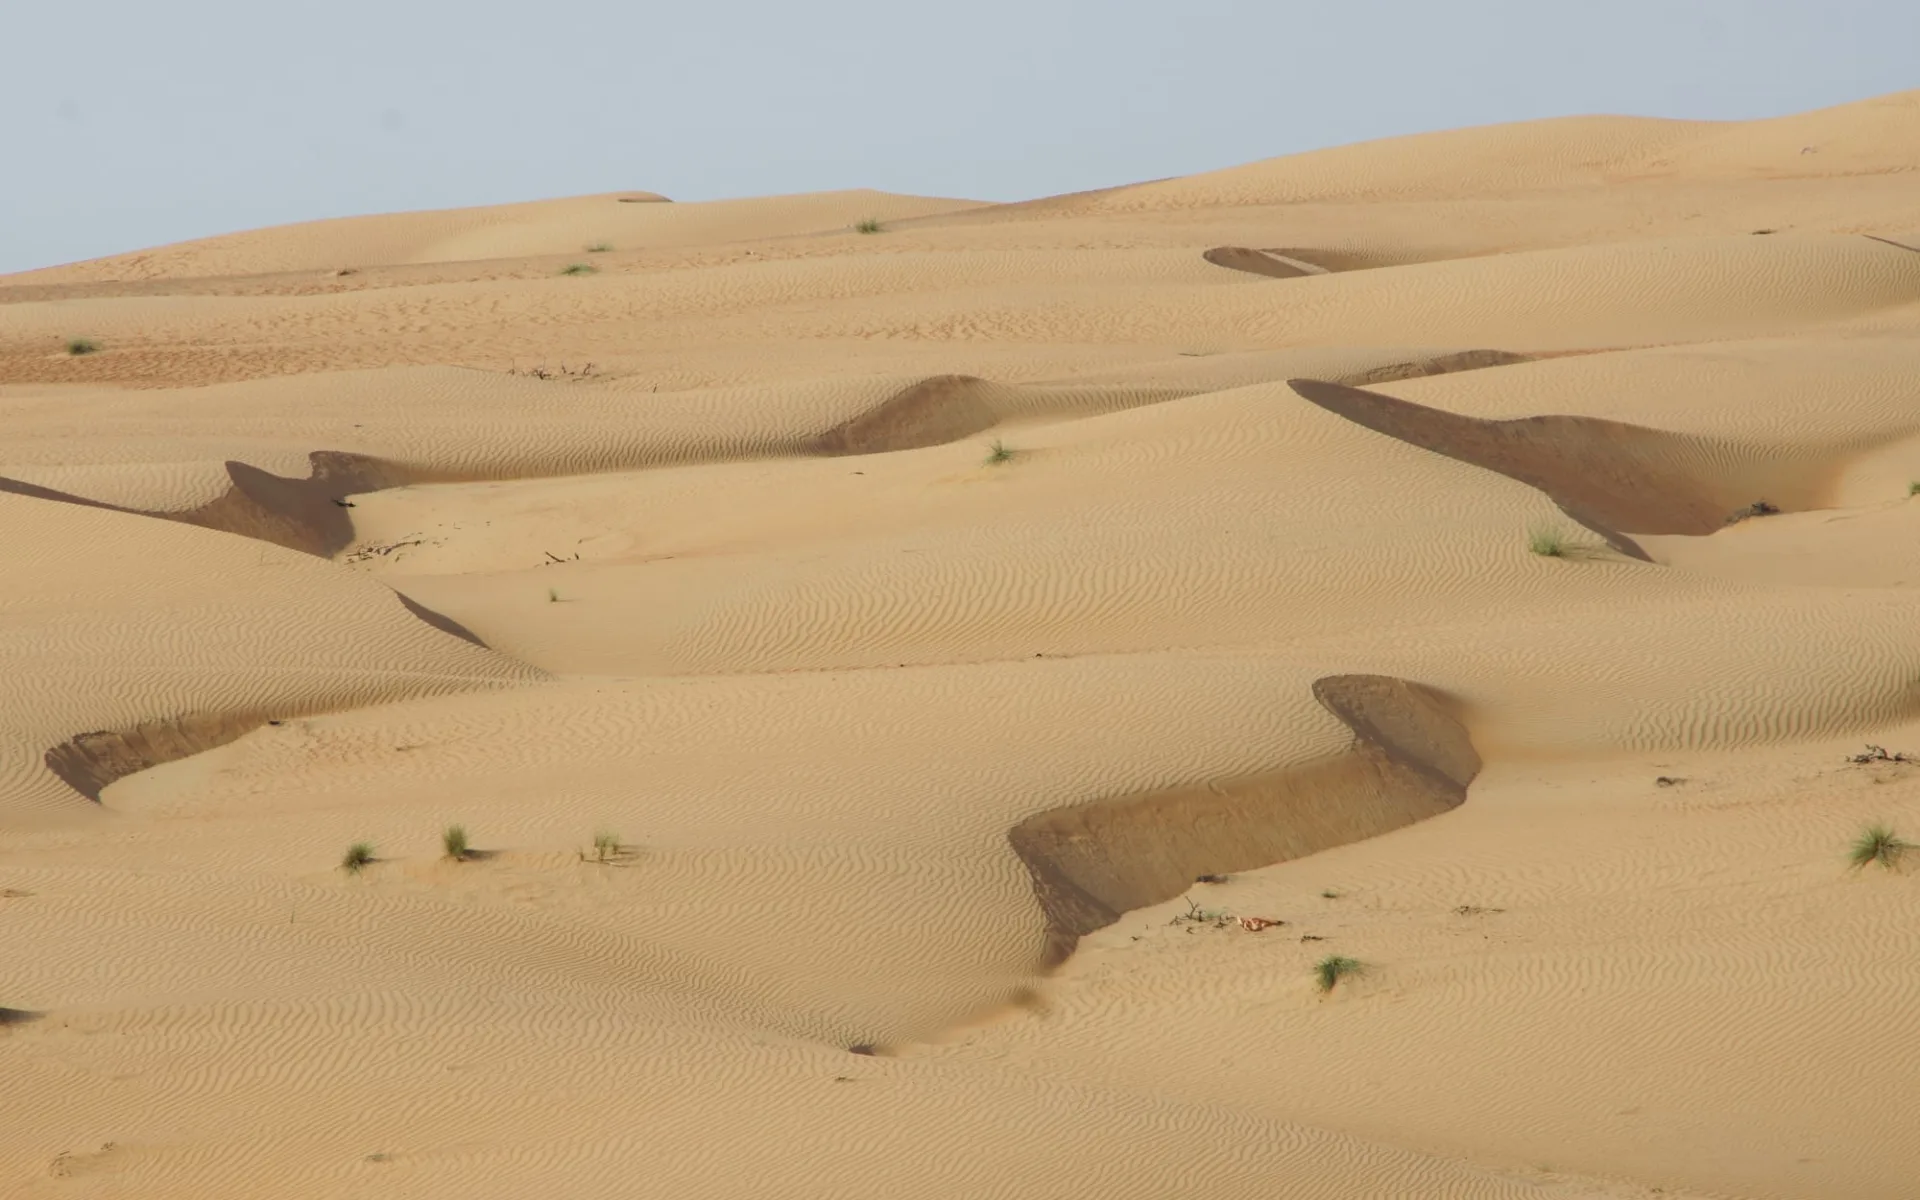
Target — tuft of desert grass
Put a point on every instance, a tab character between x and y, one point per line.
999	452
358	856
1333	968
870	225
1547	542
599	247
1913	489
453	840
79	346
606	845
1878	843
578	269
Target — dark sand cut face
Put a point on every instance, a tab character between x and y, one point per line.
88	762
1290	262
1410	760
300	514
1270	263
1611	477
933	412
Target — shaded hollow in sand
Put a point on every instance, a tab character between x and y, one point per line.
1410	759
1612	477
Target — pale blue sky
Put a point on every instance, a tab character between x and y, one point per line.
131	123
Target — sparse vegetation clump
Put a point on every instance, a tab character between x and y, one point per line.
1913	489
1547	542
1878	844
606	846
358	856
1219	918
79	346
999	453
599	247
870	225
578	269
453	840
1330	970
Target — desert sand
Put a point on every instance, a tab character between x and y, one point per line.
1003	651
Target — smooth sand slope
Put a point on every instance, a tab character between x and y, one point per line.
1006	659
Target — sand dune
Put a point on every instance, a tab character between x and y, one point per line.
929	705
572	226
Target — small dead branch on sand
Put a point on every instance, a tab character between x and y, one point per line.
366	553
1759	508
1220	918
542	371
1879	754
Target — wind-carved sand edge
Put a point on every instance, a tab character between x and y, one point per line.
1612	477
947	408
307	515
88	762
1411	759
933	412
1274	264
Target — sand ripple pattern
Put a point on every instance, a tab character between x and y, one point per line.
827	611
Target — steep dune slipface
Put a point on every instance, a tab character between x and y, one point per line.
942	687
1090	863
1609	476
299	514
1272	263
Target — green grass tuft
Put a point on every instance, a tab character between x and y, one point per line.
453	840
599	247
999	452
553	595
1547	542
606	845
1913	489
358	855
1333	968
578	269
870	225
1878	843
79	346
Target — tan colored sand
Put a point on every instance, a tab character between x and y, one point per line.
815	564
